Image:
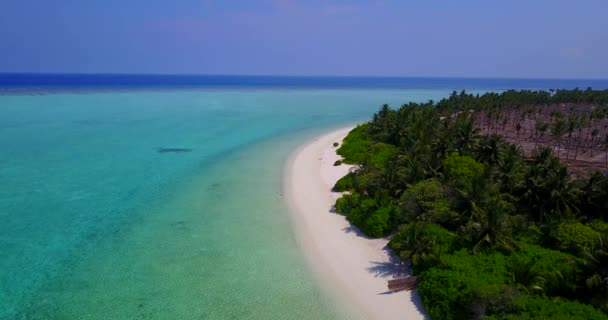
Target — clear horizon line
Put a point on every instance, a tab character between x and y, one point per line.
297	75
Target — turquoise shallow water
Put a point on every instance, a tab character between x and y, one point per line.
96	224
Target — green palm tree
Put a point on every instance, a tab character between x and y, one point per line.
550	192
595	261
488	149
418	247
525	274
510	167
594	195
490	226
465	133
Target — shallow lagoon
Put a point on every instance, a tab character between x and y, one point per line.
97	223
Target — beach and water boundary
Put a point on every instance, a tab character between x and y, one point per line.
98	223
347	263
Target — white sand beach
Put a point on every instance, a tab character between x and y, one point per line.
350	265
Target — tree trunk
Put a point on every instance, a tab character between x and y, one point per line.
567	149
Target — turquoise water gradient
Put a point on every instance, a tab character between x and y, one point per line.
96	224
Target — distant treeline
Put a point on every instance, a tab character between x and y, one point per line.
490	234
462	100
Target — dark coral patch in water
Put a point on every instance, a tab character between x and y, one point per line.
174	150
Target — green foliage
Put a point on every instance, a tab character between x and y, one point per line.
466	286
545	271
470	286
599	226
345	183
575	236
444	238
359	148
423	244
359	213
442	295
347	203
337	163
490	226
531	235
492	266
377	225
381	153
595	270
510	169
426	201
462	168
355	147
489	149
452	294
534	307
491	234
366	214
594	197
549	192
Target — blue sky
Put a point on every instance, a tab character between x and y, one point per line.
469	38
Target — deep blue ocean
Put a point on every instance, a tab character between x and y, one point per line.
100	222
25	81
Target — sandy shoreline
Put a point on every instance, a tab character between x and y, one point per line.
349	265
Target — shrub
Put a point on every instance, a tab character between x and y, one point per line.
556	272
356	216
531	235
462	168
360	211
355	147
347	202
426	200
494	302
535	307
337	163
595	197
442	294
381	153
336	144
341	205
466	286
487	267
442	237
345	183
575	236
599	226
377	225
423	243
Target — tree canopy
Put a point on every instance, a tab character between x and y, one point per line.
491	231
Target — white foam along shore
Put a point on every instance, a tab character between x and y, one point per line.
346	262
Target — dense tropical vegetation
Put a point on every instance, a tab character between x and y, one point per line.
491	232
